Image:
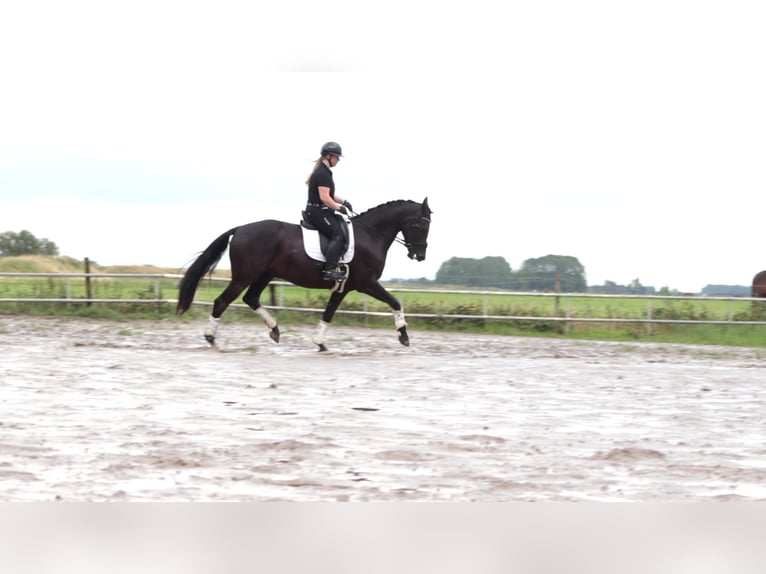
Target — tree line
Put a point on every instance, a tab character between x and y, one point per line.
552	273
549	273
25	243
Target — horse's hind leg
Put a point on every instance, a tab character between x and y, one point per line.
231	292
253	300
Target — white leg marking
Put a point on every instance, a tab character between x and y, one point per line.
318	337
270	321
212	326
399	319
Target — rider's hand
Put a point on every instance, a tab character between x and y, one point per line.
342	209
347	203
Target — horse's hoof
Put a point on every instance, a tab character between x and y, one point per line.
322	348
210	339
403	337
274	334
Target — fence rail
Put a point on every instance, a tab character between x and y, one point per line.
561	301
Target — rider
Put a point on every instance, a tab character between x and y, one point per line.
323	204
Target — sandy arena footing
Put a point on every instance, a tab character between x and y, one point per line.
99	410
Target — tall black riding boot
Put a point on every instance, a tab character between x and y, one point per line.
331	270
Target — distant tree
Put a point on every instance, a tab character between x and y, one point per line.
417	281
635	287
542	273
485	272
610	287
727	290
24	243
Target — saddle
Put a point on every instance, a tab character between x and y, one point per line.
315	244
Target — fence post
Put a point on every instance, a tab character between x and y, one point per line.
649	317
88	292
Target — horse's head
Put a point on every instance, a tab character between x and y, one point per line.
415	230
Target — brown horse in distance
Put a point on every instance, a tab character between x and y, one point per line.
759	285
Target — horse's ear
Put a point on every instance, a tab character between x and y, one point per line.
426	209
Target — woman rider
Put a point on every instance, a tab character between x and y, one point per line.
323	204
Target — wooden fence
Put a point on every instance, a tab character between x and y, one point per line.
561	301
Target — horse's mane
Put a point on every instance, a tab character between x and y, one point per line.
386	204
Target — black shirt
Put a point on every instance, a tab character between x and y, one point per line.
322	177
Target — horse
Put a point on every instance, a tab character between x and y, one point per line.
264	250
759	285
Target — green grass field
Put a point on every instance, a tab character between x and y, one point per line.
456	311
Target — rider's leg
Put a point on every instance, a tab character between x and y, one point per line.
331	269
327	224
333	252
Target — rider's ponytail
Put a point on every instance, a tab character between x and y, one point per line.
317	163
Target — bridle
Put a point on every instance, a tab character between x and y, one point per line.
408	244
416	225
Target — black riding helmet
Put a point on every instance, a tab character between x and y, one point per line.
333	148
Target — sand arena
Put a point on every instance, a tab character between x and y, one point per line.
100	410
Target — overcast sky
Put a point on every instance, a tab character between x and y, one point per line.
630	135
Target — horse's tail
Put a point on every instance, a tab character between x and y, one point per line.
203	265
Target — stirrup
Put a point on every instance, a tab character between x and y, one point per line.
334	274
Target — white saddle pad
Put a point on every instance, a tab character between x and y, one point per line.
311	245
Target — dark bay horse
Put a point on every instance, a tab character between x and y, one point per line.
269	249
759	285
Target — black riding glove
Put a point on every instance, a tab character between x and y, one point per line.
348	204
342	209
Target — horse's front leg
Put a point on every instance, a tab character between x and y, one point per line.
329	312
401	326
378	292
